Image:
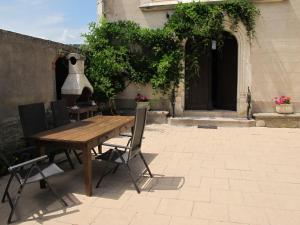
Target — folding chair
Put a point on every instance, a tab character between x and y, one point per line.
122	155
61	117
33	121
25	173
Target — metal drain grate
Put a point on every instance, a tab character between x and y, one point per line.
207	126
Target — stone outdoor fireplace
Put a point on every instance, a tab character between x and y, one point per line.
76	89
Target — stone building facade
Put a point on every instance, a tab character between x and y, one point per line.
27	75
269	65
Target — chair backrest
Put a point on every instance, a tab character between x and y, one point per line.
139	126
33	118
60	113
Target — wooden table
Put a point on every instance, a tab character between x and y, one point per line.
84	135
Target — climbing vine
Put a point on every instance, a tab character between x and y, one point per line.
122	51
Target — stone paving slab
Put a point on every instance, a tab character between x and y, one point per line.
226	176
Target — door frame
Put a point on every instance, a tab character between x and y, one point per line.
243	76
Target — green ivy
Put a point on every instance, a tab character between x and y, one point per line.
123	51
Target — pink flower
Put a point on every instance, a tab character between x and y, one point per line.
141	98
282	100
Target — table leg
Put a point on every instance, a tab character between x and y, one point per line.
87	162
99	149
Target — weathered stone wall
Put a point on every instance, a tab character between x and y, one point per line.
27	75
274	61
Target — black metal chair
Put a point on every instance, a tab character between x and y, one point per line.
33	121
61	117
122	155
25	173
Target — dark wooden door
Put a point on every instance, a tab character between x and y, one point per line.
224	85
198	86
214	83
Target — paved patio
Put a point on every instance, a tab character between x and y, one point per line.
227	176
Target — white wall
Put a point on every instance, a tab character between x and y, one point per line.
275	54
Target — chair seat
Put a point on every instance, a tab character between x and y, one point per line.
115	157
50	170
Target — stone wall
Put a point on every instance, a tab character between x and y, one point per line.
274	58
27	75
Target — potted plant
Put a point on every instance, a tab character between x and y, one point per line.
283	105
142	101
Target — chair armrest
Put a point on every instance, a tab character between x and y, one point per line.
29	162
128	135
116	146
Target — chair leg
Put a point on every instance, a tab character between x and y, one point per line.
116	168
69	158
77	156
6	188
94	151
148	169
104	173
132	179
129	173
14	205
105	168
55	194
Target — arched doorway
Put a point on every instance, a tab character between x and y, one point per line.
211	75
61	73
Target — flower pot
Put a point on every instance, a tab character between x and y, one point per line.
143	105
285	108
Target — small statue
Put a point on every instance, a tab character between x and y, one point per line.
249	99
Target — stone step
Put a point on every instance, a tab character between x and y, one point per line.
210	113
211	121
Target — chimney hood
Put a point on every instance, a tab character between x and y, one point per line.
76	80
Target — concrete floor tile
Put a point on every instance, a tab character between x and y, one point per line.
174	207
244	185
76	215
142	204
224	173
188	221
194	194
114	217
248	215
210	211
262	200
219	183
228	223
164	191
213	164
111	201
279	217
288	202
150	219
226	197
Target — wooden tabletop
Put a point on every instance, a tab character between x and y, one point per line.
85	130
